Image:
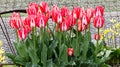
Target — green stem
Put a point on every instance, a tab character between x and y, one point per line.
85	47
64	35
97	40
71	37
97	44
59	46
17	36
77	38
89	27
34	36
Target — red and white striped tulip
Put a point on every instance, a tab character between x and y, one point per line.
97	36
55	14
32	21
70	51
44	7
65	25
99	11
82	11
90	12
26	21
41	21
64	11
85	19
15	20
76	12
98	22
80	26
22	34
27	28
32	9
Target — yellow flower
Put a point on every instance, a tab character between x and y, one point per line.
113	20
2	58
116	25
1	51
106	31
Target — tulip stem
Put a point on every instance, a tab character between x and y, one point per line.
34	36
89	27
59	46
97	45
98	40
70	38
85	47
17	36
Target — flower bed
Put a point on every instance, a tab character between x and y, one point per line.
69	43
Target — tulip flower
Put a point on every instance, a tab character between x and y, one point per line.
66	23
33	19
89	12
76	12
99	11
56	15
44	7
70	51
64	11
26	21
32	9
85	20
98	22
82	11
22	34
59	17
80	25
27	28
41	21
64	26
71	20
97	36
15	20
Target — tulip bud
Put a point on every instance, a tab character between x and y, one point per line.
97	36
70	51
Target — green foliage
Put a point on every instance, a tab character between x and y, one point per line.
114	57
42	51
50	50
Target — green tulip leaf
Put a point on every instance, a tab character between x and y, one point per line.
33	56
44	55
